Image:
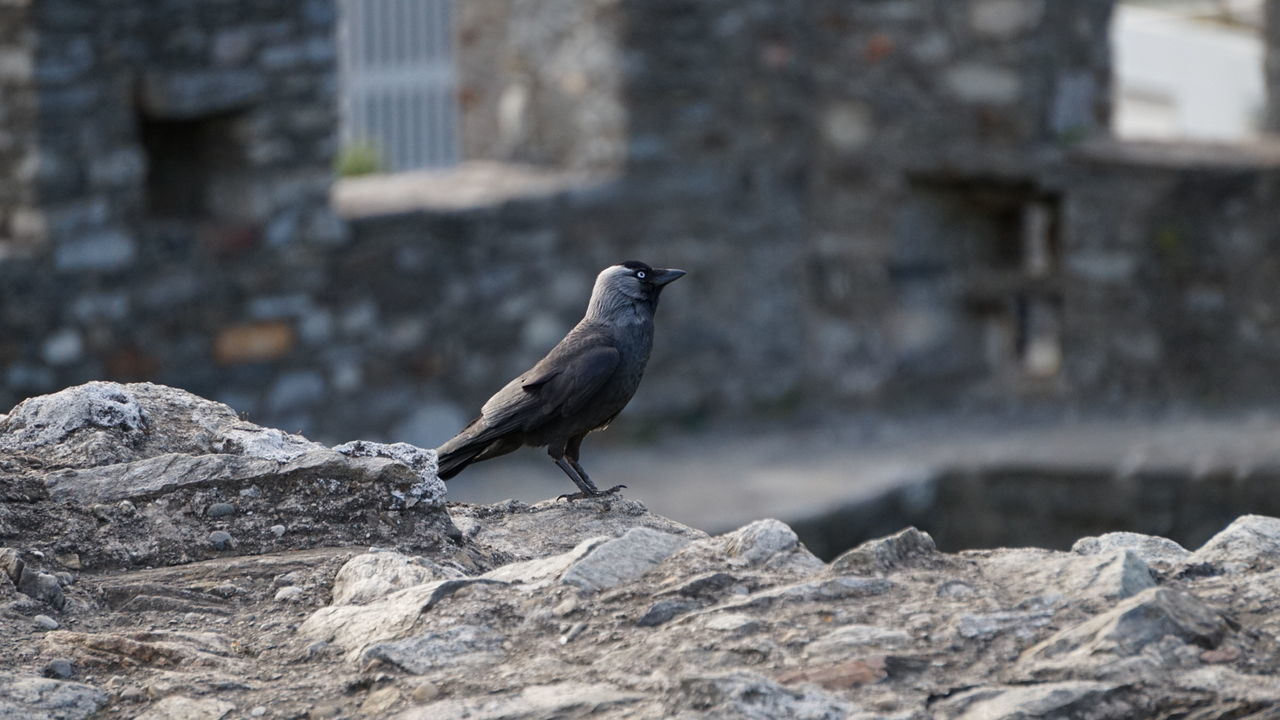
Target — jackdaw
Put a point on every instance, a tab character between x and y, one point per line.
580	386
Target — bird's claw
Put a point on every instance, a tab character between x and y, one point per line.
584	495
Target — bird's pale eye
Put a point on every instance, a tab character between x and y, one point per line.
640	274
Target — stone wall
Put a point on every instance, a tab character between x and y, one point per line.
878	203
163	163
1171	260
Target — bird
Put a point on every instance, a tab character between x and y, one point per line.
579	386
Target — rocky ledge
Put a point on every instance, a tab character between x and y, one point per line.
162	558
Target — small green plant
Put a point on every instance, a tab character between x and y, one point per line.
360	158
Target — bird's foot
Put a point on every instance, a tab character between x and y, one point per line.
584	495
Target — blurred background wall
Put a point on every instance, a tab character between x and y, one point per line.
920	203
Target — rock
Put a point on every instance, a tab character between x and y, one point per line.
1080	699
355	627
560	700
664	610
987	625
534	574
459	645
220	509
42	586
733	624
747	695
622	559
44	622
165	474
289	593
840	676
11	563
1150	548
59	669
371	576
1096	648
838	588
847	639
49	421
1032	573
1252	542
221	540
277	530
886	554
133	455
430	489
33	698
178	707
764	542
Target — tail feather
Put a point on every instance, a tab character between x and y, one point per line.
451	462
465	448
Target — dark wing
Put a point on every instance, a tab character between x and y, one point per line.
567	387
560	385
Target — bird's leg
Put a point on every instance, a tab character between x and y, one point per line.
571	451
585	490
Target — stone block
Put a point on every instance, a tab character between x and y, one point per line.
1004	18
253	342
983	83
102	251
192	93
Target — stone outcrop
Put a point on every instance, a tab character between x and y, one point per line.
594	608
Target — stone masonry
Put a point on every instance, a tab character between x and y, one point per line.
878	204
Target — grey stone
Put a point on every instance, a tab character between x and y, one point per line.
747	695
559	700
906	547
221	540
59	669
983	626
42	586
356	627
102	251
49	419
167	473
1149	548
846	640
220	509
430	489
1096	646
289	594
180	707
1251	542
371	576
622	559
1094	700
63	347
277	530
459	645
32	698
760	542
981	83
1004	18
44	622
663	611
1103	577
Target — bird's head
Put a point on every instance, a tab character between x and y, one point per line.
621	289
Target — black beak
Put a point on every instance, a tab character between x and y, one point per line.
663	276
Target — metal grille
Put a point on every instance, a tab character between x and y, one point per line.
398	81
